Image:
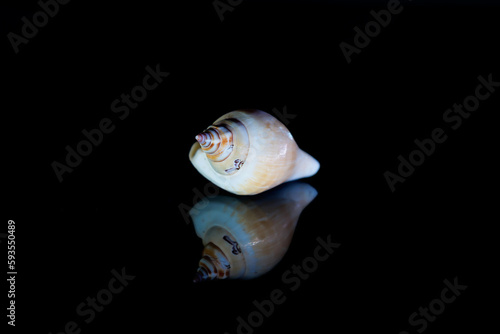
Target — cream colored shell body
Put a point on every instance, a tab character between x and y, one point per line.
263	154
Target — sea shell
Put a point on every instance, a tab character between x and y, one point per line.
246	237
247	152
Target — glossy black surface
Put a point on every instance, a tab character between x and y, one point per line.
120	207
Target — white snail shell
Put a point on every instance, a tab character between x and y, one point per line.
248	152
246	237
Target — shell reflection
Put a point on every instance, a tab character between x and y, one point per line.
246	237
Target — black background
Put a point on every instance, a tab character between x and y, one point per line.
119	208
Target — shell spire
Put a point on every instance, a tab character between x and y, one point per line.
202	274
225	146
213	265
216	142
200	138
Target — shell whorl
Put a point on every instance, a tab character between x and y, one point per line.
226	145
213	265
216	142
